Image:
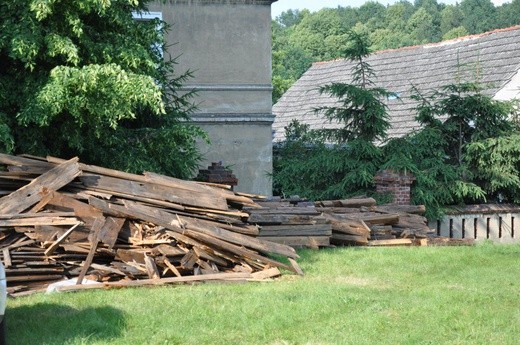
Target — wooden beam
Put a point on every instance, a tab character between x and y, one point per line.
62	238
96	228
28	195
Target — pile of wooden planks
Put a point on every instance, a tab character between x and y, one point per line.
355	221
64	219
297	224
359	221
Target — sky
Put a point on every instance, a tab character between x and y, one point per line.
314	5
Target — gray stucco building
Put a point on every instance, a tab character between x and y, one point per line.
227	45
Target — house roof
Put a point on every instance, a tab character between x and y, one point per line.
493	58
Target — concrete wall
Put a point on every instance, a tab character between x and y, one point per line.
499	227
227	45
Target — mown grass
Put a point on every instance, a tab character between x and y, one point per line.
418	295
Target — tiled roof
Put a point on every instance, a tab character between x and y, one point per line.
493	56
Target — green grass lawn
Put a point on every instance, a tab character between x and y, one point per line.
414	295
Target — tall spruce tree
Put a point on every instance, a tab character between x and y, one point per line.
361	113
339	162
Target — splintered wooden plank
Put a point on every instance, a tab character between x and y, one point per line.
28	195
110	230
151	268
235	249
351	203
380	219
62	238
22	243
209	212
172	267
96	228
235	276
296	267
80	209
154	191
239	239
287	210
46	196
39	221
394	242
40	214
107	269
266	274
19	161
401	209
131	255
7	257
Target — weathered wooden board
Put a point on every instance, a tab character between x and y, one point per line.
28	195
350	203
301	241
154	191
296	230
261	218
348	239
391	242
39	221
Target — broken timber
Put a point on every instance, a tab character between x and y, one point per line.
64	219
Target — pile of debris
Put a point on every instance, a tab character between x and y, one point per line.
64	219
356	221
293	222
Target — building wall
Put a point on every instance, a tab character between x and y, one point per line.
511	90
227	46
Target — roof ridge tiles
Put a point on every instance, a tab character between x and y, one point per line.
431	45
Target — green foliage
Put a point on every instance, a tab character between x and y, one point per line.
85	78
452	156
459	31
361	114
321	35
421	26
468	116
497	164
451	18
478	15
507	14
304	165
438	182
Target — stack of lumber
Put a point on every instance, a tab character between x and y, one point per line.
64	219
359	221
295	223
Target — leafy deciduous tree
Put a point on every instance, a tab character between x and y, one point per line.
84	78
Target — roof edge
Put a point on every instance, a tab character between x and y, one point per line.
435	44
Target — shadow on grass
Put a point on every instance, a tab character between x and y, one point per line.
50	323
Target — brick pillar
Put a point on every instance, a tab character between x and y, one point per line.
397	184
217	173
